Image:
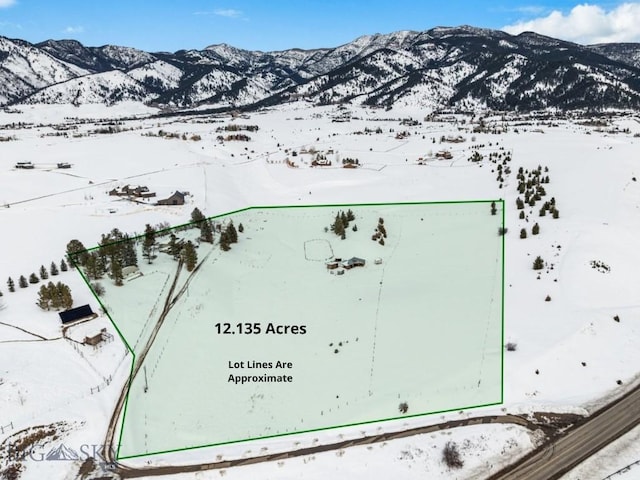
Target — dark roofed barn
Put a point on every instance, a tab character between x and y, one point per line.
78	313
176	199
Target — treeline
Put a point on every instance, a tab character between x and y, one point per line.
237	128
117	251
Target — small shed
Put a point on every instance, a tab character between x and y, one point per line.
130	270
96	339
74	314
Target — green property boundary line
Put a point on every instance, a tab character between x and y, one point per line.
186	225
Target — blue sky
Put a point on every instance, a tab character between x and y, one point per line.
169	25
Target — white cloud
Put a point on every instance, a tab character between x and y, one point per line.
222	12
7	3
586	24
74	30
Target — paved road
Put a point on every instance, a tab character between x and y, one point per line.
578	443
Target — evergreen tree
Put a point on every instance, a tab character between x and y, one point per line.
196	216
44	274
355	227
240	228
76	253
224	242
350	216
53	269
519	203
535	230
190	256
523	233
64	296
232	234
345	220
112	246
11	285
116	272
148	244
382	230
538	263
33	278
174	247
63	266
521	216
129	254
93	267
556	213
22	282
206	231
338	225
44	298
494	210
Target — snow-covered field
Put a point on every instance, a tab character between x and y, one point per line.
359	344
571	355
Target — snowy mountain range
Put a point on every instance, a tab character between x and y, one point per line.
461	67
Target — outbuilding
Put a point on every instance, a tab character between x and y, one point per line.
75	314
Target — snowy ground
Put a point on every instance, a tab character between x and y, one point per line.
571	354
347	366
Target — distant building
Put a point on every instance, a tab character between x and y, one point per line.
321	162
74	314
176	199
445	154
25	165
64	165
140	191
353	262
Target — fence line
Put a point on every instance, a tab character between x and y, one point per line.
102	386
623	470
7	427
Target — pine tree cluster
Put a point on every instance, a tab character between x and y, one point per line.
341	223
206	230
531	186
228	236
380	232
56	297
189	256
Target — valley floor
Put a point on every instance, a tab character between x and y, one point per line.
572	326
